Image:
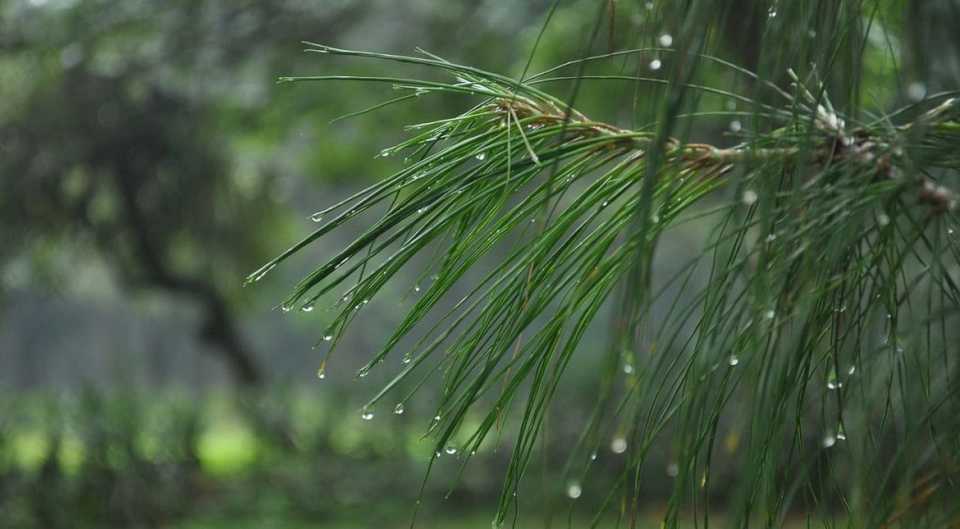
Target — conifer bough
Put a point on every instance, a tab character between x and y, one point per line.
830	284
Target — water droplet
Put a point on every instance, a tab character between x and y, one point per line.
841	435
649	6
673	470
366	415
385	153
316	217
772	12
604	204
833	384
321	373
285	307
829	440
416	288
883	219
398	409
770	314
949	231
736	126
574	490
772	237
363	372
655	64
750	197
407	358
307	308
327	337
916	91
812	33
450	450
618	445
481	156
627	368
665	40
852	370
258	275
593	456
733	360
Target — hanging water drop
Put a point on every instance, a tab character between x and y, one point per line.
749	197
327	337
450	450
655	64
316	217
574	490
307	308
366	414
736	126
829	440
416	288
852	370
593	456
665	40
322	373
772	12
673	470
481	156
618	445
916	91
398	410
407	358
628	368
733	360
363	372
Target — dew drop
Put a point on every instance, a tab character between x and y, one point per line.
673	470
385	153
916	91
733	360
321	373
363	372
618	445
883	219
772	12
736	126
450	450
574	490
366	415
407	358
649	6
416	288
398	410
949	231
285	307
772	237
481	156
770	314
307	308
829	440
852	370
593	456
841	436
627	368
750	197
316	217
665	40
327	337
655	64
